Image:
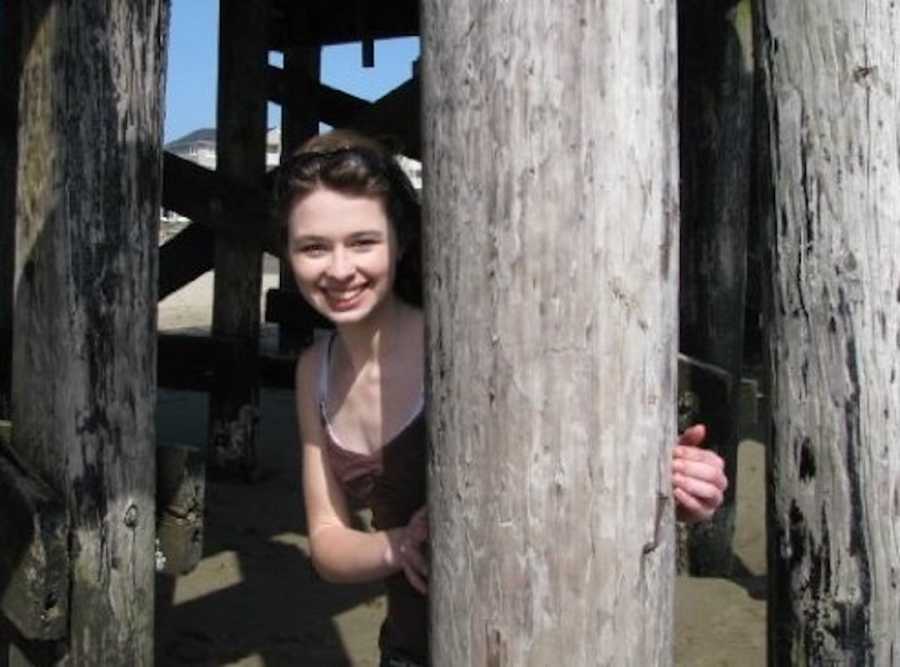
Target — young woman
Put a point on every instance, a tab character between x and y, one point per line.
352	222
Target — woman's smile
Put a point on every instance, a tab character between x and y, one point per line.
344	299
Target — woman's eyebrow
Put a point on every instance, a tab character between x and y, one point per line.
307	238
367	233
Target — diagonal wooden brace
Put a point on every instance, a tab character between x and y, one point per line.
34	558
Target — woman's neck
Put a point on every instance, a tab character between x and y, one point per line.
369	340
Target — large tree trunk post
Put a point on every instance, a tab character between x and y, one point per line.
84	357
551	240
830	144
240	157
716	114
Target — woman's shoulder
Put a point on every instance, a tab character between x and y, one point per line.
308	369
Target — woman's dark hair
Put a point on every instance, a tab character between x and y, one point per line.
353	164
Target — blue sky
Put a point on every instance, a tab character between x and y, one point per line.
191	77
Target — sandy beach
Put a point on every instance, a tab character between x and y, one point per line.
254	600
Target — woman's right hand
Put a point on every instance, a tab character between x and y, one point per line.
407	547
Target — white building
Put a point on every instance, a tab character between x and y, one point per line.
200	146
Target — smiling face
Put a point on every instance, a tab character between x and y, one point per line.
343	253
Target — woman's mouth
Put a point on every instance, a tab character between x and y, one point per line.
344	299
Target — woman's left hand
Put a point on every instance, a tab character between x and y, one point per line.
698	477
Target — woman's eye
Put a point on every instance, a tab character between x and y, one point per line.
365	243
312	249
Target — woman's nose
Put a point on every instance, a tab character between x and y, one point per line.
340	267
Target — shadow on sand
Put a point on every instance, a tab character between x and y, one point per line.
255	598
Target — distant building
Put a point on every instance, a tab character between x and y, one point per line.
200	146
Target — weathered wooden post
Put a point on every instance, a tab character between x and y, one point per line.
9	103
832	208
716	122
299	122
551	158
87	215
241	158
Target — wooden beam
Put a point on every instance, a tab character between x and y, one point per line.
395	115
300	116
230	208
87	224
188	362
241	159
276	85
184	258
34	560
321	22
185	361
335	107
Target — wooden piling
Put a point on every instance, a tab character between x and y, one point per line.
716	122
299	122
828	144
551	240
9	113
87	216
241	158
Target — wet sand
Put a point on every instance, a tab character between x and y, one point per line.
254	599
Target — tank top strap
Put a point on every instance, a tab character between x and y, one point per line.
324	371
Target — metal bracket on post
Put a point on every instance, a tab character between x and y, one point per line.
699	385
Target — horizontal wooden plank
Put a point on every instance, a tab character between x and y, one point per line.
187	362
184	362
184	258
319	22
34	558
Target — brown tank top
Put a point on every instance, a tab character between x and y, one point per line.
391	482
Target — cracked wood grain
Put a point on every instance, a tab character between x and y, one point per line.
550	158
831	142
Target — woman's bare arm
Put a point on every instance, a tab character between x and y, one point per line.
339	552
